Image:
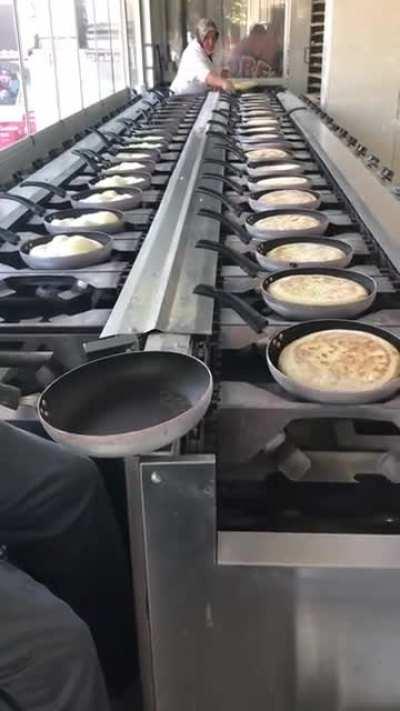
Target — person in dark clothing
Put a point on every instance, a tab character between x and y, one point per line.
65	583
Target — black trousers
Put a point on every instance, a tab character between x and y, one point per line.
59	527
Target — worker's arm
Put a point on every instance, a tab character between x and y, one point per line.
216	82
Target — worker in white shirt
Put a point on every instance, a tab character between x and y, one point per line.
196	71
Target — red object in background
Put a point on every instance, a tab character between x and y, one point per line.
14	129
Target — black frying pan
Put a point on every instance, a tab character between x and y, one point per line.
285	336
73	261
257	204
297	311
48	218
101	166
131	197
250	229
268	263
127	404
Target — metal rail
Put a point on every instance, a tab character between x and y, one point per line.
158	292
376	206
61	168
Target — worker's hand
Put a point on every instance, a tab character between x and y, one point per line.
225	73
227	85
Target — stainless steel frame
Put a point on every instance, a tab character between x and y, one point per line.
158	294
372	200
63	167
233	620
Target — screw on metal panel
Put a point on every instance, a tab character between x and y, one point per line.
155	478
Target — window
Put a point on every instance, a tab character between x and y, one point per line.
251	33
14	116
65	42
253	36
134	45
39	67
59	56
87	43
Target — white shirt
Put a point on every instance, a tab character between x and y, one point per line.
194	67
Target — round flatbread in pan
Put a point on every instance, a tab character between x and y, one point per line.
260	154
281	181
288	222
280	198
317	290
305	252
340	360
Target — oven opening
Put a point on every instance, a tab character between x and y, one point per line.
320	475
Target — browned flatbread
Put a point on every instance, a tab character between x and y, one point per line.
305	252
317	290
280	198
288	222
341	361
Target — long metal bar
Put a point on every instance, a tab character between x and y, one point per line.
373	201
148	295
65	165
316	550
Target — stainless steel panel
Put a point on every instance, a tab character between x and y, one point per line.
372	200
328	550
228	637
158	293
178	509
61	168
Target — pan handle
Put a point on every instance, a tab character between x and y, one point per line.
233	149
11	359
224	200
237	229
226	181
8	236
9	396
114	137
231	301
46	186
111	344
224	164
107	141
37	209
226	126
90	157
126	122
248	266
221	137
222	112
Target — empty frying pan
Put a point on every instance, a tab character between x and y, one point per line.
250	230
127	404
114	223
267	263
73	261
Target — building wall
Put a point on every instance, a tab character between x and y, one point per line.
361	74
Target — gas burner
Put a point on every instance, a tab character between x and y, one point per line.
23	297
